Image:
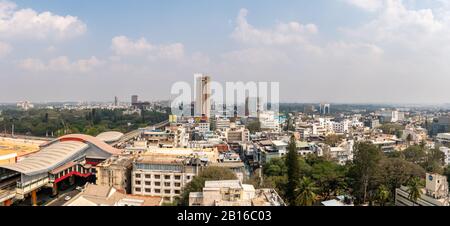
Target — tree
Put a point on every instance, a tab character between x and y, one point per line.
293	170
409	139
306	192
383	195
254	126
434	161
333	140
395	172
208	174
329	177
275	167
415	154
414	189
364	168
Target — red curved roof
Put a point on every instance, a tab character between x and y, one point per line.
89	139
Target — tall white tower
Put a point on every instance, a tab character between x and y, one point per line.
203	95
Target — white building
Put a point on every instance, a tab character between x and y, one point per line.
269	121
446	152
222	123
443	138
203	95
25	105
234	193
390	116
341	127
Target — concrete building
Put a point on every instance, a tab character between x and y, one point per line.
269	121
101	195
203	96
341	127
222	123
165	172
116	172
389	116
234	193
325	109
435	193
237	134
443	138
446	152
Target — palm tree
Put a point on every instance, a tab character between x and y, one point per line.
414	189
382	195
306	192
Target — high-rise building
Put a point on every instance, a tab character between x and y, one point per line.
325	109
203	95
134	99
252	107
116	101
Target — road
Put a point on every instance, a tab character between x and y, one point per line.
60	200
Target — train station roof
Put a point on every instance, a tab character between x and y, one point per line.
48	158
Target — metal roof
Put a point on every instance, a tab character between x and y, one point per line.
111	136
48	158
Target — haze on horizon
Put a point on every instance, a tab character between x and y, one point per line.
344	51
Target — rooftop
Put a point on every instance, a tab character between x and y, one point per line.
48	158
111	136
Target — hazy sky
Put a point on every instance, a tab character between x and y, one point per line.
323	50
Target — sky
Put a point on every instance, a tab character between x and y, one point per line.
340	51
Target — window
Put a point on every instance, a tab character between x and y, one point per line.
167	177
177	192
157	191
166	191
148	176
148	183
138	182
157	176
138	189
178	185
177	177
158	184
137	175
188	177
167	184
148	190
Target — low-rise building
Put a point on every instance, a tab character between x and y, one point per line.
116	172
435	193
165	172
234	193
101	195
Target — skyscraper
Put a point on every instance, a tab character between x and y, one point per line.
134	99
116	101
203	95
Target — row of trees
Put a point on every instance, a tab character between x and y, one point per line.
371	178
47	122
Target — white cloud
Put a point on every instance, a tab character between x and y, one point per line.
369	5
123	46
60	64
29	24
398	27
5	49
283	33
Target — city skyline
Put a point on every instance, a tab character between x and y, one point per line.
388	51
